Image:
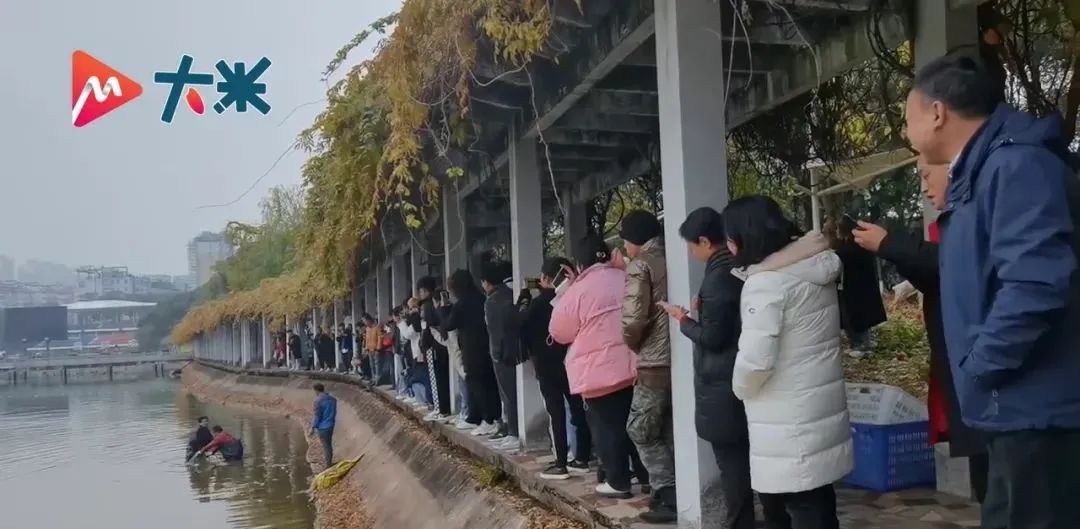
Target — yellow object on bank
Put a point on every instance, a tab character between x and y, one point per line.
331	476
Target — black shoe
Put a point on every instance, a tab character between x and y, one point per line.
555	472
661	513
578	467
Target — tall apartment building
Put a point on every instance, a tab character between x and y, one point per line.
204	251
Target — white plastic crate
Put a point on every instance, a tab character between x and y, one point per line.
881	404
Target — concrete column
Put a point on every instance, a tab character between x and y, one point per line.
267	343
337	344
694	166
417	265
355	322
575	224
370	296
939	30
456	253
382	310
401	286
245	345
315	337
527	251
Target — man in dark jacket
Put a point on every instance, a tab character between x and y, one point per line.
1008	261
916	259
467	318
200	437
324	348
645	331
720	417
504	344
548	360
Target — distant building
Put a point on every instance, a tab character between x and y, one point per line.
184	283
204	251
93	322
7	268
45	273
22	294
96	282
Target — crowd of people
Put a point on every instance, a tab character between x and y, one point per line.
1001	301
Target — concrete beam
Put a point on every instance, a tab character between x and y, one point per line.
960	4
590	138
799	74
822	5
608	122
628	25
626	103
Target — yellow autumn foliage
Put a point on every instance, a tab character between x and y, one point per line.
368	146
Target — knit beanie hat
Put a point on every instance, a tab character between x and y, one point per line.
639	227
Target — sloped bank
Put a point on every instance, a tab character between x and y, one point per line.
407	477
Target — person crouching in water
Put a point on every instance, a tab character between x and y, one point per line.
231	448
200	437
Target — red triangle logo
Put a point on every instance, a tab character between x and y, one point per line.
97	88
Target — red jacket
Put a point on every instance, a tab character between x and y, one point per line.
219	441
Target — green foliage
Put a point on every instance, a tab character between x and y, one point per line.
265	250
156	326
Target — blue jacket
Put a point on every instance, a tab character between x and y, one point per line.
1009	277
325	413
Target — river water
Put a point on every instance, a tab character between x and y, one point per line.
111	456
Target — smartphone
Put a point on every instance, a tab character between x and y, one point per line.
848	223
560	278
445	296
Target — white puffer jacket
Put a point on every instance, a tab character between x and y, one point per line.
788	370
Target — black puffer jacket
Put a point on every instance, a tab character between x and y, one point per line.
467	318
720	417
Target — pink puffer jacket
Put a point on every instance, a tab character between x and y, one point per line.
588	316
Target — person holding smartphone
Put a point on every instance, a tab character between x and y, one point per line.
861	306
548	359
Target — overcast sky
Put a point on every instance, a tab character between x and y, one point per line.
123	189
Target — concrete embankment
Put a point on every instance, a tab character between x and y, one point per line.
408	478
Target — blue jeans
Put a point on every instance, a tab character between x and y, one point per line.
327	438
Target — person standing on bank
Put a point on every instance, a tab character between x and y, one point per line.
916	260
645	331
504	336
599	365
1011	309
323	421
548	358
467	318
439	361
296	354
719	415
788	370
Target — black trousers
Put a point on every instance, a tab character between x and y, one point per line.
482	390
607	416
506	376
556	392
811	509
736	496
1033	480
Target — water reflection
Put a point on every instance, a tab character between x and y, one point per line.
112	456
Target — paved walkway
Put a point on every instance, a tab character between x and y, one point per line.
859	509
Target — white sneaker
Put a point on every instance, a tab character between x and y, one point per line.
409	400
401	397
857	354
464	426
486	428
433	416
509	443
608	491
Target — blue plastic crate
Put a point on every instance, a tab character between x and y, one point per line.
891	457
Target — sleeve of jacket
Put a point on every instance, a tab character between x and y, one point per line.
720	304
1030	226
495	316
637	303
762	312
916	259
565	322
